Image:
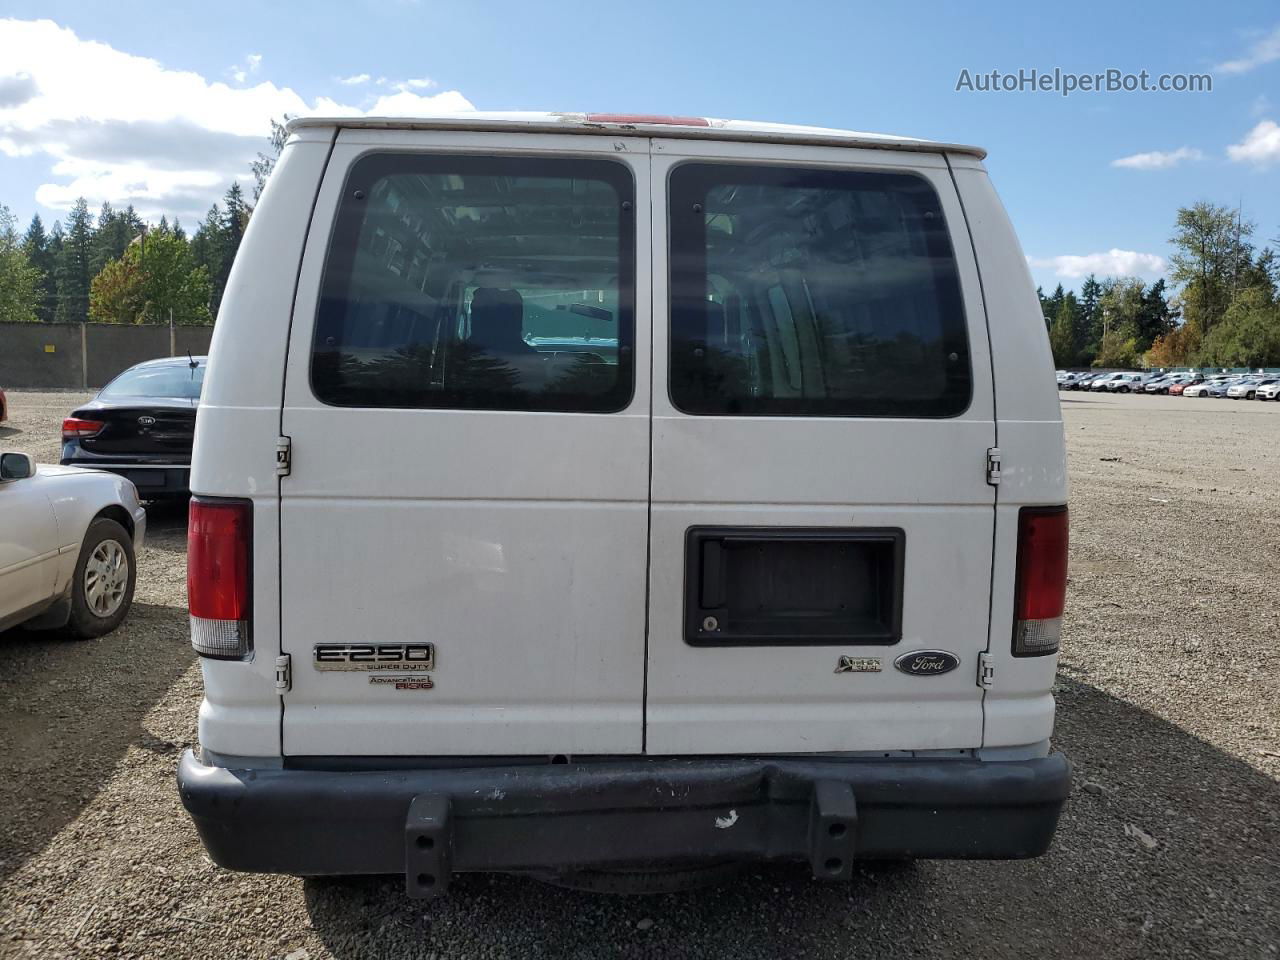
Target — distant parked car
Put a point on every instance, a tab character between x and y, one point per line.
1218	388
67	545
1081	382
1160	384
1100	382
1247	389
1124	383
1069	380
1177	388
1269	390
141	426
1200	389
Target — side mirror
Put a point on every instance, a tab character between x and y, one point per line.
16	466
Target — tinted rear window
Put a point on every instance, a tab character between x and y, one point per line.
479	282
813	292
183	382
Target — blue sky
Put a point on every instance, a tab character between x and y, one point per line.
170	135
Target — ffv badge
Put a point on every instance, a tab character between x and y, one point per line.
927	663
857	665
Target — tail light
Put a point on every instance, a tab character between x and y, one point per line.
219	580
74	427
1040	590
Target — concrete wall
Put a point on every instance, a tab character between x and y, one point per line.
76	356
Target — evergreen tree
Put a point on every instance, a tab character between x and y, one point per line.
266	162
37	246
72	270
1062	335
207	245
113	235
20	294
1155	317
1090	329
235	217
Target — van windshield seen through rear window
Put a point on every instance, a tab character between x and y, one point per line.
813	292
479	282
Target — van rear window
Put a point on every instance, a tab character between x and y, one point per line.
813	292
479	282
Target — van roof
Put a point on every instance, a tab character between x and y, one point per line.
610	124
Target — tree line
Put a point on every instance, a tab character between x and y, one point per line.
117	268
1224	311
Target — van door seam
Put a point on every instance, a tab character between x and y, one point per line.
284	384
995	428
648	526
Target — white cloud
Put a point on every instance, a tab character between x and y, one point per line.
416	83
1158	160
251	64
1264	50
1260	146
129	129
1112	263
354	80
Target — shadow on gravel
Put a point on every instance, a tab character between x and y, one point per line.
167	526
1202	878
68	711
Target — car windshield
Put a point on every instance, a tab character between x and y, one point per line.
178	381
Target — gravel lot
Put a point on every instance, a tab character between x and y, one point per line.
1168	706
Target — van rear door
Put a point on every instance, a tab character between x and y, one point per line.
464	527
821	520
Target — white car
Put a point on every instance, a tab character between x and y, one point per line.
67	545
1242	389
1200	389
1248	389
1101	383
1269	391
1124	383
630	487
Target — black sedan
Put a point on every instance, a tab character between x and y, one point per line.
141	425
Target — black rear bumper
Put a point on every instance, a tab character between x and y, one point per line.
154	481
626	813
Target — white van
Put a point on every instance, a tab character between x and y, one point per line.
602	496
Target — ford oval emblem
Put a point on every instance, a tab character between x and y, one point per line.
927	663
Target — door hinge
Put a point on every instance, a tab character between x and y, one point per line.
986	670
993	466
284	456
284	673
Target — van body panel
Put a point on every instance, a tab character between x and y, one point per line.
1019	706
488	538
237	423
925	477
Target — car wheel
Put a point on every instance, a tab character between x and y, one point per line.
102	587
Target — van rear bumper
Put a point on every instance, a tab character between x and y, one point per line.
621	813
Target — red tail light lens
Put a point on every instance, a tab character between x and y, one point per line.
1040	590
219	580
74	427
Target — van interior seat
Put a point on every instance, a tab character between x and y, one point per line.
497	321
